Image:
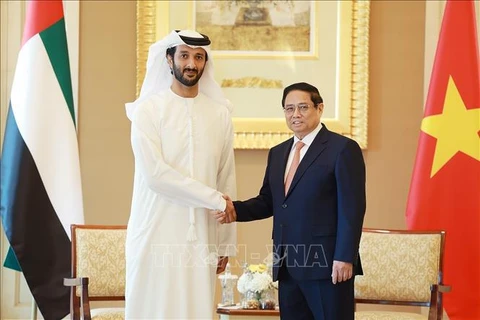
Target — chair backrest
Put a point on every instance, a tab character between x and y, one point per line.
399	266
98	252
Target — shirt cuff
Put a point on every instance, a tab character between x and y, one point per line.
222	205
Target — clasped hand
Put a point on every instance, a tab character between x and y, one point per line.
227	216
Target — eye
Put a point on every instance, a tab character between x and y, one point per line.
200	57
303	107
184	56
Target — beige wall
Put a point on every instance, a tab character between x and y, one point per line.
396	100
107	81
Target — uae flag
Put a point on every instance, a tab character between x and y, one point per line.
445	187
41	193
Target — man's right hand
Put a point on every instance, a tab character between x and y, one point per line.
227	216
230	210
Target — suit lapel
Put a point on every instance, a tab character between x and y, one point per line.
278	164
286	153
315	149
280	184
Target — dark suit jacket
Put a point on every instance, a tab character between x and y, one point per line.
321	217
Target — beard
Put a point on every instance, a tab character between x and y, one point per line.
189	82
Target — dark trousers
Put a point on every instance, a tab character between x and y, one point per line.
314	299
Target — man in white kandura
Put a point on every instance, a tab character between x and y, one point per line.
182	140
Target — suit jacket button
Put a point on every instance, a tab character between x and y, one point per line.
284	205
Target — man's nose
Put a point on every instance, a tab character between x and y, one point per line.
296	111
191	63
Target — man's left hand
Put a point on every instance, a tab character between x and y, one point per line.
341	271
222	263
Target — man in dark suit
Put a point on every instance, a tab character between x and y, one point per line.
314	187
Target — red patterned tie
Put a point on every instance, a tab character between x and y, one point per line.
294	165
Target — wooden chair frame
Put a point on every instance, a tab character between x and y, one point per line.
80	306
435	304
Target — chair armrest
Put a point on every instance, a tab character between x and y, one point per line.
436	300
443	288
84	298
75	282
440	288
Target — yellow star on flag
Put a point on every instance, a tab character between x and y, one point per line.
456	129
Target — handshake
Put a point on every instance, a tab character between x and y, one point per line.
227	216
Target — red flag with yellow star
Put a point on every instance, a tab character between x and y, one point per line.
445	188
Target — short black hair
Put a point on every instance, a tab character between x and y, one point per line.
305	87
171	52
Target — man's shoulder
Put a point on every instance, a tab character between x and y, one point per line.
281	146
342	141
150	107
338	137
154	100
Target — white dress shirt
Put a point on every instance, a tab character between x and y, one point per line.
308	139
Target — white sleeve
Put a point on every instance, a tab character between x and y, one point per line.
162	178
226	181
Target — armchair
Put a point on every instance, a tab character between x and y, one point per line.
402	268
98	271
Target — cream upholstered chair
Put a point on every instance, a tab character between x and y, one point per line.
98	271
401	268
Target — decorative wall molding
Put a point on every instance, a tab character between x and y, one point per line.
154	20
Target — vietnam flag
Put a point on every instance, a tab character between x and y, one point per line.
445	187
40	194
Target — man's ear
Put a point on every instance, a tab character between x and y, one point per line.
320	107
170	63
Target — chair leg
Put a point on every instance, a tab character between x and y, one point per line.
85	301
74	305
79	306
